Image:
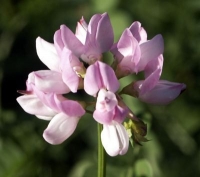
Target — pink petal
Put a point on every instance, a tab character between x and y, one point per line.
100	75
146	85
153	72
69	76
47	99
58	42
103	117
70	107
47	54
154	65
150	50
129	49
104	33
163	93
60	128
106	100
120	113
99	38
138	32
81	30
33	105
70	41
50	81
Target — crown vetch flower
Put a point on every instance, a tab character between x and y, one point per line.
152	90
60	59
91	40
133	51
62	113
75	62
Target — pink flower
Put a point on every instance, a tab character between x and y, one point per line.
63	114
75	62
133	51
115	139
90	40
62	61
127	54
152	90
42	98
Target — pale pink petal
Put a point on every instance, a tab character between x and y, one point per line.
71	42
92	80
130	50
106	100
150	50
152	73
100	75
50	81
163	93
138	32
81	30
128	46
69	76
99	38
60	128
47	54
44	117
103	117
109	79
58	42
33	105
154	65
104	33
70	107
144	86
120	113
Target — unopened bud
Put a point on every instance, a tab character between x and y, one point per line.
136	130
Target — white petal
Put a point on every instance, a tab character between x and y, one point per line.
123	137
47	54
32	105
60	128
110	140
115	139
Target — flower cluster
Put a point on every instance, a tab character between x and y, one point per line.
75	62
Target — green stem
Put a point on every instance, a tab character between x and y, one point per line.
101	154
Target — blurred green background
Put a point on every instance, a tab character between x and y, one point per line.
173	130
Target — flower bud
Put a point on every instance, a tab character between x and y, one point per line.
136	130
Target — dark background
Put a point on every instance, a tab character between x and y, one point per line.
173	130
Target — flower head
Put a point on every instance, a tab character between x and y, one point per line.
75	62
